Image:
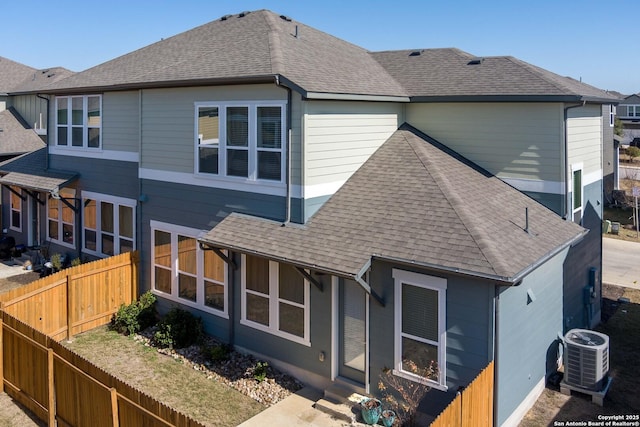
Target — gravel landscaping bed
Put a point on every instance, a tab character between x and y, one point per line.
236	372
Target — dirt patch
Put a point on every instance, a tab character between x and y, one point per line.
621	322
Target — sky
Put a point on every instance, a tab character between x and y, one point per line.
583	39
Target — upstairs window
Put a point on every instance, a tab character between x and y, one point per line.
612	115
79	121
633	110
577	194
241	141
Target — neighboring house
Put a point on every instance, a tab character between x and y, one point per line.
340	211
628	112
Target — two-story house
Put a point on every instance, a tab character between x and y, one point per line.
628	112
334	210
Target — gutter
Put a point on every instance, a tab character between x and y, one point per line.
512	98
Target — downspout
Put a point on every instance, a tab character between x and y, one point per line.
141	198
288	151
46	165
565	199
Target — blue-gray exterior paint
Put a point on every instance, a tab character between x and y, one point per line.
312	205
527	334
100	176
469	317
551	201
584	256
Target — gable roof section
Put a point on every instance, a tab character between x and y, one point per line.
453	75
15	135
414	201
18	78
249	47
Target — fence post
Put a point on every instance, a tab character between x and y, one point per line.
1	348
52	390
70	306
114	407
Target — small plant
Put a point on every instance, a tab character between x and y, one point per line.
633	152
218	352
178	329
136	316
56	262
76	262
404	396
260	371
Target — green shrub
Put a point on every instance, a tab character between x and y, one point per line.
219	352
260	371
178	329
136	316
76	262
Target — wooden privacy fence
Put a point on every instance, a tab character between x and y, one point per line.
473	407
64	389
75	299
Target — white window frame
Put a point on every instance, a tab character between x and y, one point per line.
274	300
69	125
633	110
17	209
433	283
253	149
64	193
575	168
117	202
175	231
612	115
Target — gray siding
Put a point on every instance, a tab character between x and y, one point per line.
469	317
551	201
511	140
527	334
608	163
168	121
584	138
582	258
30	108
100	176
120	121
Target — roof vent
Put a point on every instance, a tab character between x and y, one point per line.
243	14
416	53
475	61
286	18
225	17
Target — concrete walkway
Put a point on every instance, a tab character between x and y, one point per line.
621	263
296	411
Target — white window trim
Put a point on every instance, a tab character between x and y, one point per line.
61	223
69	125
252	148
574	168
612	114
439	285
19	209
199	304
116	201
633	110
273	327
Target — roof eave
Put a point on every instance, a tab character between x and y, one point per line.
511	98
260	79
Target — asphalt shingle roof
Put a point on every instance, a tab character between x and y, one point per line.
29	171
15	137
12	73
414	201
451	72
16	77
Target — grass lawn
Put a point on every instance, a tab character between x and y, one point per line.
165	378
623	329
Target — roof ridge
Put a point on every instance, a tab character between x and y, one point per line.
539	72
467	218
275	46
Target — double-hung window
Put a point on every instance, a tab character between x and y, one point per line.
420	327
275	299
108	224
241	140
633	110
184	272
79	121
16	208
61	218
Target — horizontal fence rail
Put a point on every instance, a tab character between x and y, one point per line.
56	384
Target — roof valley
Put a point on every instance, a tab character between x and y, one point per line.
461	208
